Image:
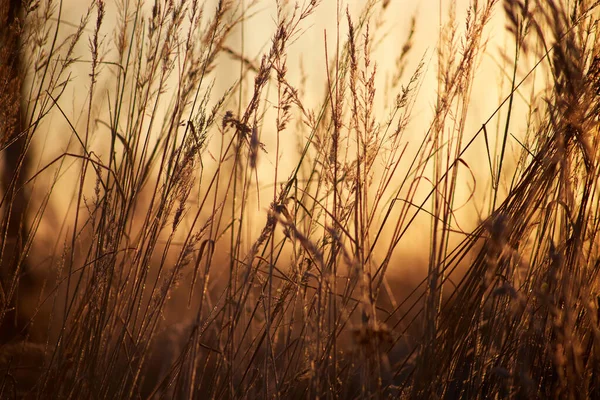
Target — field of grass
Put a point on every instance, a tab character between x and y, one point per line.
182	217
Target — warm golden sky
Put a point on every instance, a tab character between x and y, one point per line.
308	51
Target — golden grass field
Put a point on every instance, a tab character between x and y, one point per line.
299	199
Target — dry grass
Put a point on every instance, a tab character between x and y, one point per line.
160	283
